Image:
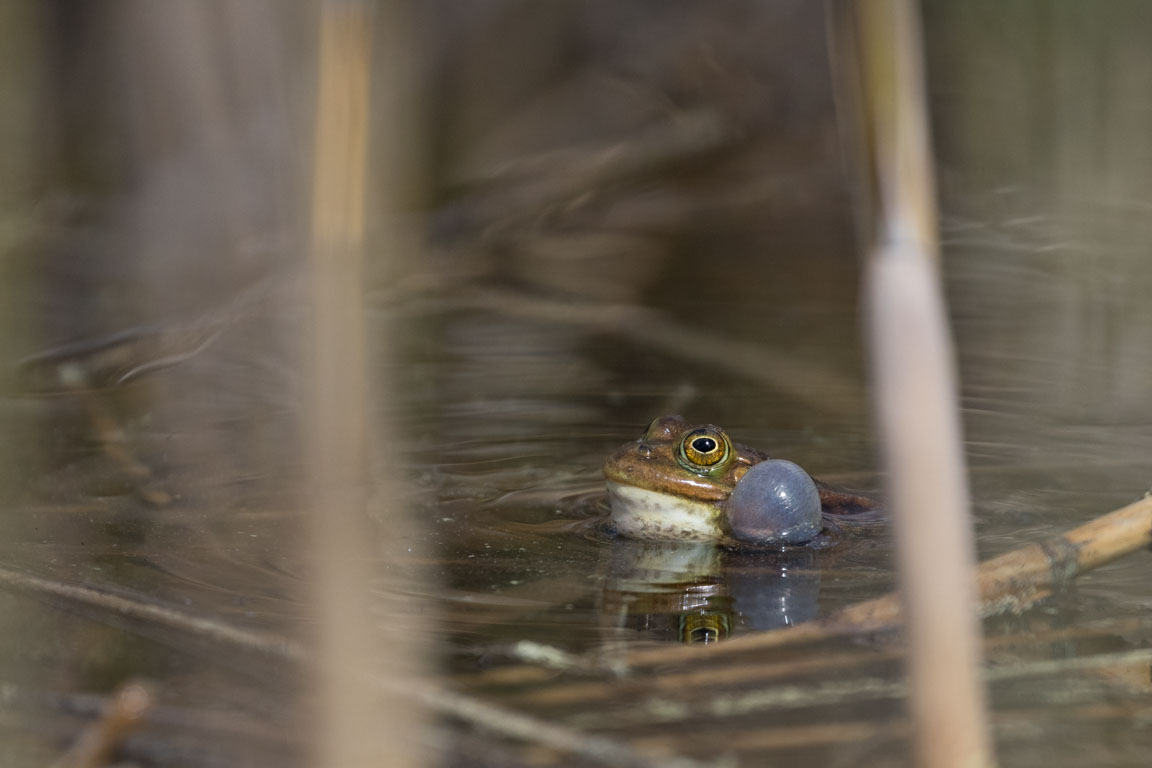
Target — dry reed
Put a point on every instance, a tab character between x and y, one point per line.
350	716
915	394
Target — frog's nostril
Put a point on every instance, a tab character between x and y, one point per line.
644	450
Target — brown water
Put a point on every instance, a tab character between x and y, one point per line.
505	422
556	309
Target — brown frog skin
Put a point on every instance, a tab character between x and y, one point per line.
663	486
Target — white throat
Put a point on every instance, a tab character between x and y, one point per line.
650	515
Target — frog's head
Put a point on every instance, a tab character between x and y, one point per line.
674	482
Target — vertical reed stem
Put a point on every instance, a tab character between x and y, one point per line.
915	391
352	727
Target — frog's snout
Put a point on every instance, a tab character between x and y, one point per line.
776	502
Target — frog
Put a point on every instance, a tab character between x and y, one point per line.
691	482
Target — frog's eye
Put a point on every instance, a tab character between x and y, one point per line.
704	449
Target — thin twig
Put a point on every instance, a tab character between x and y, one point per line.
212	630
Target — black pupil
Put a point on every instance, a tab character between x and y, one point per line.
704	444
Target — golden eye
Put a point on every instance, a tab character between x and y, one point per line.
704	449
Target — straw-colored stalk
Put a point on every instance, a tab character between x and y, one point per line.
929	501
352	721
915	393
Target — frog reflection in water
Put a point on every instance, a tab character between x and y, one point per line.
692	483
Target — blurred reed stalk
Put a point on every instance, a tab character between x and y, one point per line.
356	727
914	382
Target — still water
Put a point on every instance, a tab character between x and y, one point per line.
557	304
505	422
